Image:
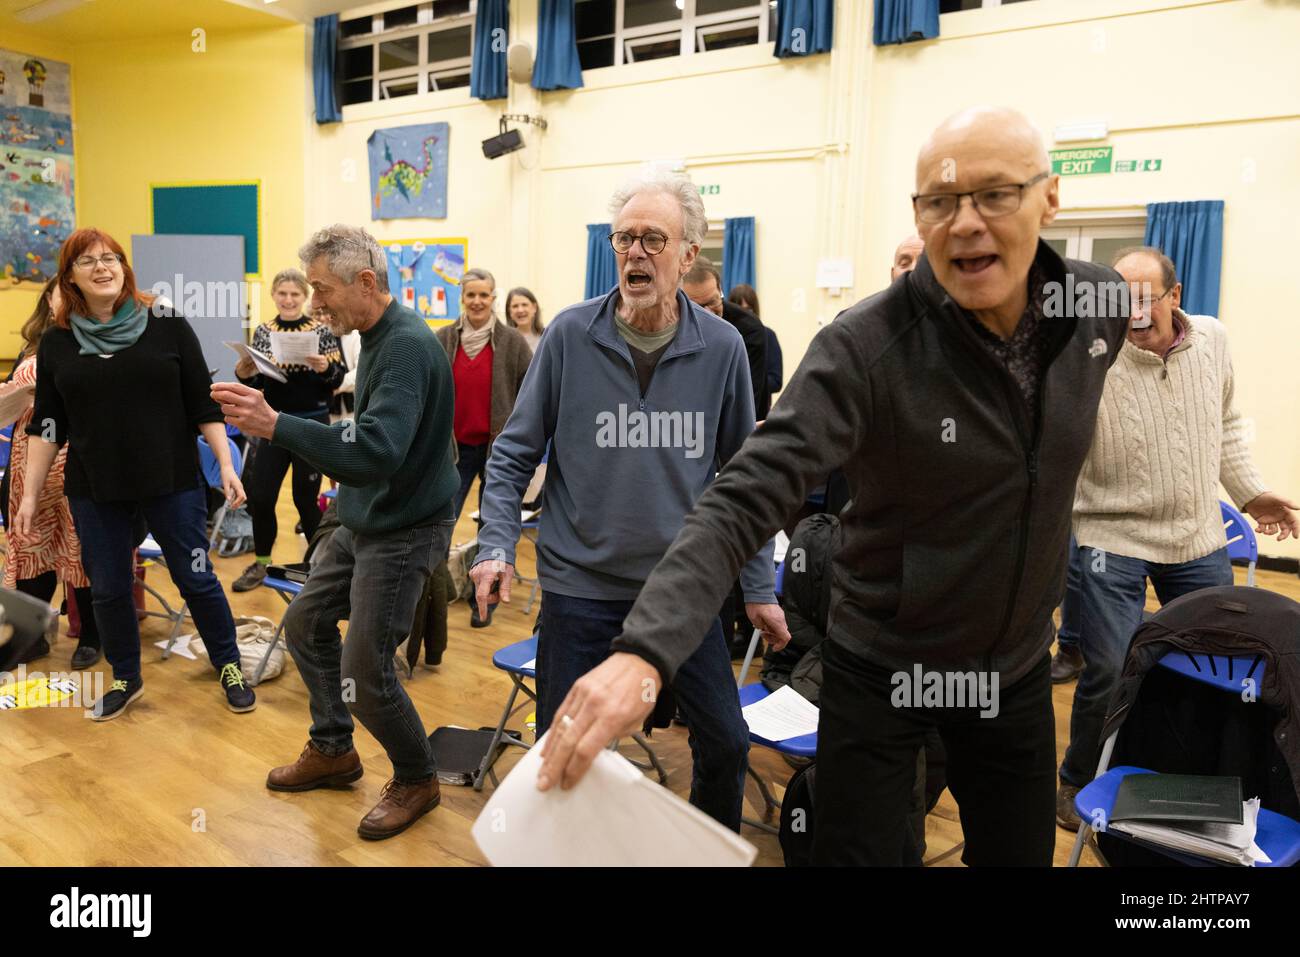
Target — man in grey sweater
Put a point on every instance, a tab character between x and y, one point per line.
640	395
960	403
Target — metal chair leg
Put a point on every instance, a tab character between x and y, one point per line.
654	758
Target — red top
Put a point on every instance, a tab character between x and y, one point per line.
472	423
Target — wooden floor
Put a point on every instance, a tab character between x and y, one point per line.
180	780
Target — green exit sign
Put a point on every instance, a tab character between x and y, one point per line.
1137	166
1082	162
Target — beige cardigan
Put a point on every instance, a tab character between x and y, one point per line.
1167	434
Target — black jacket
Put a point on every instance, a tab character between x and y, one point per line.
954	545
751	329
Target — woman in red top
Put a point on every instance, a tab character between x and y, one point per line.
488	362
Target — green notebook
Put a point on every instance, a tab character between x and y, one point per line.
1178	797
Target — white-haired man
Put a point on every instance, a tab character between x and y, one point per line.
641	396
397	483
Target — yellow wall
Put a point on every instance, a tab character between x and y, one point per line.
155	111
18	301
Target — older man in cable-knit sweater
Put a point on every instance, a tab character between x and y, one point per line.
1147	504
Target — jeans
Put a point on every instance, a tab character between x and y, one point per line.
375	582
1067	636
177	521
1112	593
575	636
1001	769
471	460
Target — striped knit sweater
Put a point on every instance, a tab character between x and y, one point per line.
1167	434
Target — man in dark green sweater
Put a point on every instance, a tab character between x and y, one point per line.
397	481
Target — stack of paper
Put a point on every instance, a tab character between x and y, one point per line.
614	817
1229	843
782	715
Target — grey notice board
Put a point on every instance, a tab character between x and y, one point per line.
203	277
211	209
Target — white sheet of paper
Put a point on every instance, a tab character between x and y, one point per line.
782	546
615	817
294	347
529	665
264	365
182	647
1229	843
782	715
13	404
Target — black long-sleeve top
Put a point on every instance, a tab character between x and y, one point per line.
308	392
130	419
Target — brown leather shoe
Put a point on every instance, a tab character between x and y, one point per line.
400	805
1067	664
316	770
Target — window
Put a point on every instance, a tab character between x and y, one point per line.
1096	240
954	6
614	32
406	50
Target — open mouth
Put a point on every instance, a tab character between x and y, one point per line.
636	279
973	265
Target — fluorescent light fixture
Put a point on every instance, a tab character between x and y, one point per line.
1081	131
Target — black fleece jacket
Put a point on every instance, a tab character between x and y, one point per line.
954	544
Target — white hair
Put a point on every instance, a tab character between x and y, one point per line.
695	224
347	251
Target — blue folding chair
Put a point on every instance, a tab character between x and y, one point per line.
212	475
1241	539
288	591
1277	836
804	746
519	662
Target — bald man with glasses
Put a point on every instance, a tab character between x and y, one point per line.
960	404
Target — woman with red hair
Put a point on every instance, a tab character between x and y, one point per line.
125	386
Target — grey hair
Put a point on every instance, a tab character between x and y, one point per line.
347	251
292	275
482	275
695	224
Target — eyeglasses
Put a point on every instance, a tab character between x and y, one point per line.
991	202
88	262
1146	303
652	242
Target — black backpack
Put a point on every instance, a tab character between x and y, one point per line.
796	833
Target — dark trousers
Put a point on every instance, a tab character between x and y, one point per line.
575	636
471	460
1000	769
375	582
1112	591
262	480
44	586
108	540
1067	636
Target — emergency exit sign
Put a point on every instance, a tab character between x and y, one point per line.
1082	162
1137	166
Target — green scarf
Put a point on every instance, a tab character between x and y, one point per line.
105	338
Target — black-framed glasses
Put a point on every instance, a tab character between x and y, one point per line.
651	241
991	202
88	262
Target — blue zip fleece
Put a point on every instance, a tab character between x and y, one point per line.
624	469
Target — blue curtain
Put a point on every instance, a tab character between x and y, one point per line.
1191	234
487	75
602	268
324	49
738	253
557	66
804	27
902	21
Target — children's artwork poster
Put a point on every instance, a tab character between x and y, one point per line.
408	172
425	275
36	169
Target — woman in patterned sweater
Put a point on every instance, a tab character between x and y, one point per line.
306	394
